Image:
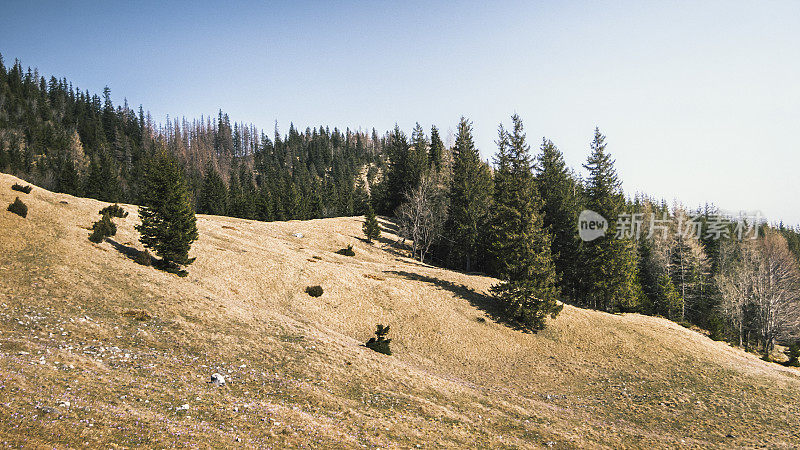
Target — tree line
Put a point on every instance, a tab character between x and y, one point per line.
515	217
72	141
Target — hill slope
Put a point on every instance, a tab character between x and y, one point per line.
298	373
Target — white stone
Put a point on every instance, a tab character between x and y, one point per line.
218	379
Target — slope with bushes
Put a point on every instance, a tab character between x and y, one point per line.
97	349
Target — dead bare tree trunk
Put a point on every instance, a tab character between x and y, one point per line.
422	216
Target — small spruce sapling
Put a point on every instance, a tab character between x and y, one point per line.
347	251
21	188
379	343
371	227
103	228
18	208
314	291
114	211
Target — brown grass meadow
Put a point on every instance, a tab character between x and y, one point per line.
99	351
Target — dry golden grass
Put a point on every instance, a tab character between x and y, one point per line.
298	374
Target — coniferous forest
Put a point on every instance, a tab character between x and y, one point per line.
514	217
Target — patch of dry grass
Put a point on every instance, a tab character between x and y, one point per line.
298	373
137	314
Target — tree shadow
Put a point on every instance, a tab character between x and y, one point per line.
144	258
479	300
130	252
383	241
388	225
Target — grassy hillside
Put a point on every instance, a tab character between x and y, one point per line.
299	375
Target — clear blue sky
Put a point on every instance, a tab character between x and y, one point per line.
699	100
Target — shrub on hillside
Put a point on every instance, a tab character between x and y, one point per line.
21	188
347	251
18	208
144	258
379	343
314	291
114	211
103	228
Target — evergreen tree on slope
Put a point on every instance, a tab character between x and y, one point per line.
609	274
470	200
168	222
520	246
560	194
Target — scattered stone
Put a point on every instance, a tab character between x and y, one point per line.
217	379
46	409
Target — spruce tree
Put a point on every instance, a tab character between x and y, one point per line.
236	202
560	193
398	175
371	227
168	222
418	157
214	194
609	266
520	246
68	178
361	200
437	150
470	199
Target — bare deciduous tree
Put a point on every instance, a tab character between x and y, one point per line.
422	215
761	276
776	295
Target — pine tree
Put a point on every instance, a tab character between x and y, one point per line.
520	246
168	222
372	228
609	272
470	199
560	193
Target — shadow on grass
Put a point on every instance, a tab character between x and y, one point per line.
141	258
484	302
388	225
381	240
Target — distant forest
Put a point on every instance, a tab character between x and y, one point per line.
457	210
